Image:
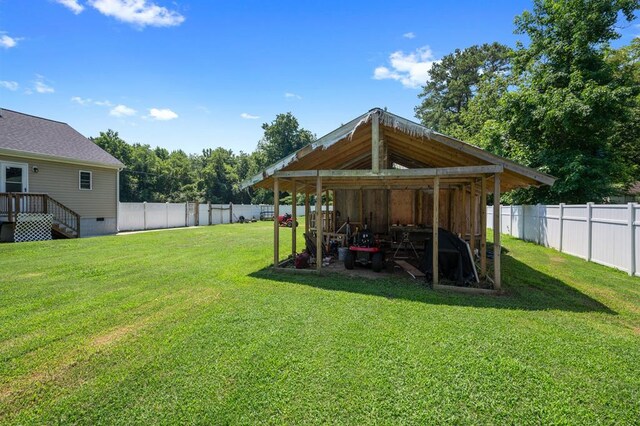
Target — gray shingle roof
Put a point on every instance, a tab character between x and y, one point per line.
44	137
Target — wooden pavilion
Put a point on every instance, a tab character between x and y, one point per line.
387	171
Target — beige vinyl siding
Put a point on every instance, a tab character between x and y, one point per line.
62	182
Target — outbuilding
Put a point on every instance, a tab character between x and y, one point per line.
398	177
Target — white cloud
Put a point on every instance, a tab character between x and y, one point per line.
81	101
290	95
411	69
9	85
409	35
8	42
40	86
247	116
162	114
88	101
122	111
72	5
138	12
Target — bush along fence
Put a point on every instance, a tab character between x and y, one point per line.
608	234
143	216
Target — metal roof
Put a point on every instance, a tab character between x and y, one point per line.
28	135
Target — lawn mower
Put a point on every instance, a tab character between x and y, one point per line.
365	250
286	220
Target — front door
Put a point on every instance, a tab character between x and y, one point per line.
14	178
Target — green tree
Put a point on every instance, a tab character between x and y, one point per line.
570	99
282	137
454	81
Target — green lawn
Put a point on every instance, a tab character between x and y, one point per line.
187	326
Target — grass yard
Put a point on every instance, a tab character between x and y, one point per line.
187	326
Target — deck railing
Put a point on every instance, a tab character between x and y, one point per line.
12	203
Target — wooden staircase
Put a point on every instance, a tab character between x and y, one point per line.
66	222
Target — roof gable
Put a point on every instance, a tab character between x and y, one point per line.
406	145
29	135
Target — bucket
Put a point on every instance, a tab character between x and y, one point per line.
342	253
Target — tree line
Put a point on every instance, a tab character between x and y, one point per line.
158	175
567	103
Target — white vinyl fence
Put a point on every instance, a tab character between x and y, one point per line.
141	216
608	234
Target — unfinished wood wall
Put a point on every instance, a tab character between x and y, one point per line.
381	208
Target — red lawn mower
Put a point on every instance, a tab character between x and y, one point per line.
286	220
365	250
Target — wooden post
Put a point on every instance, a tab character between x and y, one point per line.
197	213
209	210
463	220
496	232
474	216
319	223
276	225
375	143
453	210
420	211
483	226
230	212
436	220
294	217
326	226
360	209
307	212
334	226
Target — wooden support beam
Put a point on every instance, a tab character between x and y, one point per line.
360	208
307	213
418	214
393	173
318	223
474	216
326	216
496	232
455	210
375	143
436	207
294	218
464	217
276	225
483	226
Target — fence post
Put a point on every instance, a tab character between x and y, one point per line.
209	210
144	215
166	211
560	216
632	242
539	225
589	230
186	214
230	212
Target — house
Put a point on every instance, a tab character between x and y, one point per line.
398	177
48	167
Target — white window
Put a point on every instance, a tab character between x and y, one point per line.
86	180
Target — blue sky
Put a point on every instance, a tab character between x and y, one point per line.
190	74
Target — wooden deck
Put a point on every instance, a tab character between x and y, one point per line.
66	222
